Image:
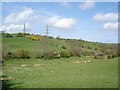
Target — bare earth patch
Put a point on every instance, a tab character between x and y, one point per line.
8	78
86	61
23	65
37	65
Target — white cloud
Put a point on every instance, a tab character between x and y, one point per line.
87	5
14	18
110	26
106	17
64	23
14	28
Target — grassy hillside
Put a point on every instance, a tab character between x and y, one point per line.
71	72
16	43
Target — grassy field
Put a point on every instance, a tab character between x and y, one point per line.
73	72
62	73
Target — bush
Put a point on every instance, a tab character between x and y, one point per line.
40	55
64	47
82	46
50	37
35	38
109	56
65	54
5	51
8	35
96	49
87	53
51	55
7	55
19	35
71	53
21	54
89	47
77	52
100	56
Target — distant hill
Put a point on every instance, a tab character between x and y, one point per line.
14	43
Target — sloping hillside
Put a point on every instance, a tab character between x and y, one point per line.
13	44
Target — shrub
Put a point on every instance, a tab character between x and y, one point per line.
8	35
5	51
65	54
19	35
50	37
100	56
89	47
7	55
35	38
95	48
64	47
87	53
77	52
52	55
21	54
82	46
40	55
109	56
71	53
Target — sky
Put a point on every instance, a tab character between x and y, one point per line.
91	21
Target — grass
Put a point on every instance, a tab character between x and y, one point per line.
57	73
62	73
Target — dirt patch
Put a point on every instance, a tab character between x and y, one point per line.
37	65
77	62
8	78
86	61
23	65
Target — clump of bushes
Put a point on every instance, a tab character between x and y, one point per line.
8	35
35	38
50	37
100	56
19	35
52	55
48	55
8	55
76	52
87	53
21	54
65	54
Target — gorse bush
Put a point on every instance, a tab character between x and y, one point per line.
21	54
33	37
65	54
